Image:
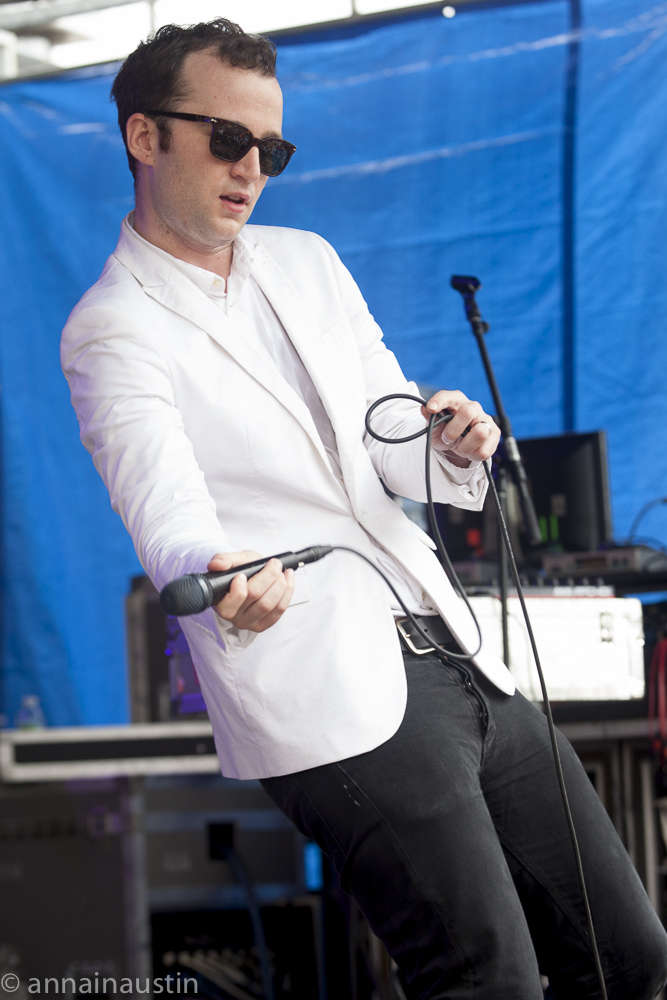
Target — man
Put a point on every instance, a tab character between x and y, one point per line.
220	373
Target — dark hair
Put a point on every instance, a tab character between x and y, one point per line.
150	77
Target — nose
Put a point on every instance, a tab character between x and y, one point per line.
248	166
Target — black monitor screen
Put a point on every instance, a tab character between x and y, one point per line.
569	483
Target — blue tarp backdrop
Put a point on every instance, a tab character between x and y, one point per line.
426	146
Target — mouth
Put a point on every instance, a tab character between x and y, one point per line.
235	202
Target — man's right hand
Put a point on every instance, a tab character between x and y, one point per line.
255	604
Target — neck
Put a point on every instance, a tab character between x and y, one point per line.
153	230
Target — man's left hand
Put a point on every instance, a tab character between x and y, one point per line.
471	436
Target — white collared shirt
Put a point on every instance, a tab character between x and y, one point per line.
269	338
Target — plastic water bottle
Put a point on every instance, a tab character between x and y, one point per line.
30	714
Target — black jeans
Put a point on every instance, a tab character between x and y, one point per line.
452	839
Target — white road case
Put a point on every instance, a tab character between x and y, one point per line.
591	648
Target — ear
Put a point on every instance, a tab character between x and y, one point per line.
143	140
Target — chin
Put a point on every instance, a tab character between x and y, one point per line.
222	233
231	227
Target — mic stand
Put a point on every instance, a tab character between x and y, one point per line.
503	565
509	459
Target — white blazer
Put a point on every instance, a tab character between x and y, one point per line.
205	448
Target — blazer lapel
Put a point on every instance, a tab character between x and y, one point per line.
172	289
339	384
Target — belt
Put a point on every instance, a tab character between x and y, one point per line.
434	626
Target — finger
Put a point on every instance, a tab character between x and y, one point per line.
269	603
234	599
467	414
257	603
488	449
477	436
445	399
270	619
262	581
486	440
243	593
449	399
222	561
255	610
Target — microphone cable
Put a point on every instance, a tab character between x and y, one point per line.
437	420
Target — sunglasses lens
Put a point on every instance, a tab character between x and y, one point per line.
230	141
274	155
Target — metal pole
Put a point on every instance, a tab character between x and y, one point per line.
467	285
651	853
503	567
568	224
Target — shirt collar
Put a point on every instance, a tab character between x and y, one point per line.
208	282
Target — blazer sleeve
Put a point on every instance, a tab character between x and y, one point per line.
401	467
122	394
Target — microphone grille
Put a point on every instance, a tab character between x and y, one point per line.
184	596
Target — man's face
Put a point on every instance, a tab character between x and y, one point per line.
201	200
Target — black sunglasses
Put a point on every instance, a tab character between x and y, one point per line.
231	141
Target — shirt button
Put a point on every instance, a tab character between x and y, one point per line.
217	283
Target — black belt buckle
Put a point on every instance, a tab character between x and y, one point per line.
431	624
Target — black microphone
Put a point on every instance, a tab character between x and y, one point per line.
191	594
